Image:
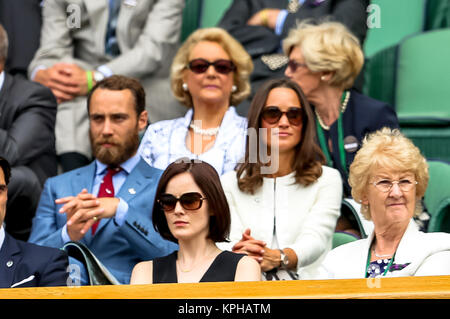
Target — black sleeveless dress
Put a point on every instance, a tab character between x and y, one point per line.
223	268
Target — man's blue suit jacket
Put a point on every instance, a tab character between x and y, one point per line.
27	265
119	248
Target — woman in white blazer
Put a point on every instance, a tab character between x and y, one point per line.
284	204
389	177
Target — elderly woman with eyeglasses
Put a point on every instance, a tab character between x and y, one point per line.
191	210
210	75
325	60
284	203
389	177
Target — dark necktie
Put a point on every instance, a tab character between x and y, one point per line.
111	45
106	189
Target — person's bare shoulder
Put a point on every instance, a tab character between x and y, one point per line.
142	273
248	269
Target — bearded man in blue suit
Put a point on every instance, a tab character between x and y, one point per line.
71	205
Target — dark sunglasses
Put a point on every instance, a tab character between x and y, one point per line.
293	65
272	114
221	66
189	201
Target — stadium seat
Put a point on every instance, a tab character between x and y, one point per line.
433	142
437	197
422	97
349	211
379	75
423	75
202	14
397	19
212	12
191	17
438	14
341	238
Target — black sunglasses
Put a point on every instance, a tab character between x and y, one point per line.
272	114
189	201
293	65
221	66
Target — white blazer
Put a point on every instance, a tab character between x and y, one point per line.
428	254
305	217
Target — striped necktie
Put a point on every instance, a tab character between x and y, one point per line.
111	45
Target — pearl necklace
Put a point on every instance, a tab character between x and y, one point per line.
341	110
208	132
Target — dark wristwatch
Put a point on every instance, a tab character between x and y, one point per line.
284	260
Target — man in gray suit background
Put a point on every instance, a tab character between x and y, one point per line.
83	41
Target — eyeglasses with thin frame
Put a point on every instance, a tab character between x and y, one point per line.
385	185
293	65
221	66
273	114
189	201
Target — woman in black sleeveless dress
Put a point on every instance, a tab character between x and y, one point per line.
191	209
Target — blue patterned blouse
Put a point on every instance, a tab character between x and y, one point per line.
165	141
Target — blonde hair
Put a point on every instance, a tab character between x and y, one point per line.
390	149
237	53
328	47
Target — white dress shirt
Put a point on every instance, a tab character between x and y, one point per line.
2	79
2	236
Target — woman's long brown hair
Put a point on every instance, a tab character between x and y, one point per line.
308	155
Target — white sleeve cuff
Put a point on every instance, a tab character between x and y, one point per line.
65	235
121	212
105	70
36	69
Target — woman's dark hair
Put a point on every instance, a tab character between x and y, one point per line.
206	177
308	155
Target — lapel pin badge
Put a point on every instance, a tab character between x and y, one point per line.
132	191
9	263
